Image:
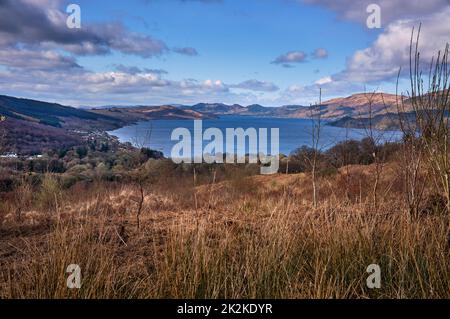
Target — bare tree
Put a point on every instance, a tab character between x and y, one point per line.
141	176
142	138
412	155
374	139
431	109
315	113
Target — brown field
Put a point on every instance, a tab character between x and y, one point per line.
246	237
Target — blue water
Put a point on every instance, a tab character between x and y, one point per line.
294	133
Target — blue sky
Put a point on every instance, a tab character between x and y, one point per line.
232	51
236	40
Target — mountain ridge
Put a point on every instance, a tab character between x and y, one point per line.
355	105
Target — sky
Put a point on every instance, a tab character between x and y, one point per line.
269	52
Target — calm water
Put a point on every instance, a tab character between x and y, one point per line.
293	132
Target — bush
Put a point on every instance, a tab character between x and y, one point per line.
49	193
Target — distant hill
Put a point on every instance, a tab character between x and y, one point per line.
33	126
356	105
256	110
216	108
142	113
362	104
51	114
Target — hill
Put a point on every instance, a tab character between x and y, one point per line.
51	114
256	110
33	126
361	104
142	113
356	105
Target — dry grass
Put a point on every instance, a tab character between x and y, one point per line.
251	237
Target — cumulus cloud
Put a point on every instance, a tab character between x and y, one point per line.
382	60
107	86
290	57
23	58
38	54
126	85
43	25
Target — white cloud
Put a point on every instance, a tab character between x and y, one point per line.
25	58
290	57
382	60
42	24
324	80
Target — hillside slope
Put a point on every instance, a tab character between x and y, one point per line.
33	126
359	105
356	105
51	114
142	113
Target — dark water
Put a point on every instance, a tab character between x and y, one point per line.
156	134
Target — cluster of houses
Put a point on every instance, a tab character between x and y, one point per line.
9	155
15	155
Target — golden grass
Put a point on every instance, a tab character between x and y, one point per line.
251	237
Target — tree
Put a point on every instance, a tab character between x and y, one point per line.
431	105
370	147
315	116
141	176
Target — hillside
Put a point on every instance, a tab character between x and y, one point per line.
217	108
28	138
255	110
356	105
33	126
360	104
142	113
50	114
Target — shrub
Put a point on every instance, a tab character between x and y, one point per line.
49	193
